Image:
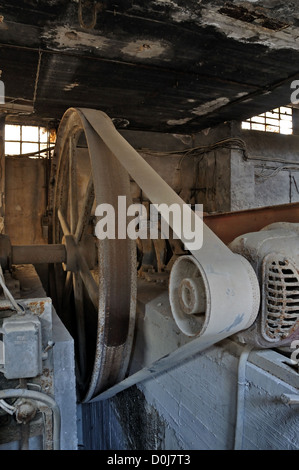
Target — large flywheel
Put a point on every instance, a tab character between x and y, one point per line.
97	286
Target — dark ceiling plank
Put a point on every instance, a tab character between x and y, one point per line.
152	63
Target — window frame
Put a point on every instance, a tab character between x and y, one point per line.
39	142
255	123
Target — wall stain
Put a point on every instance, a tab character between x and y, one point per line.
141	424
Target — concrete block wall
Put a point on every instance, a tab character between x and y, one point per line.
193	407
272	178
225	180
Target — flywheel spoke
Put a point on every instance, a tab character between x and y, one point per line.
85	210
64	225
88	280
78	297
73	194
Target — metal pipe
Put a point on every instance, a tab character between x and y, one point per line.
43	398
290	399
241	397
36	254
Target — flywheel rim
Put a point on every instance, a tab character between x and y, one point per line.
116	258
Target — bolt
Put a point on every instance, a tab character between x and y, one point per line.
25	412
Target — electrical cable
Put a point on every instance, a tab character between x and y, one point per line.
8	295
7	408
43	398
233	143
37	76
272	160
276	170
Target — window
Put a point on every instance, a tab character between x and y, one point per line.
22	140
280	120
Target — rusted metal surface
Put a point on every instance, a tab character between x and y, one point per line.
26	411
38	306
281	290
227	226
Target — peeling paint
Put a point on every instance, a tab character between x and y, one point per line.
185	139
240	95
210	106
185	15
66	38
165	1
178	122
252	33
70	86
145	48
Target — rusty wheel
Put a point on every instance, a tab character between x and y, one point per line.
97	287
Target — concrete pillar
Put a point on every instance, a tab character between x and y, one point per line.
295	121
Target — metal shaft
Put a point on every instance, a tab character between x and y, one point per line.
36	254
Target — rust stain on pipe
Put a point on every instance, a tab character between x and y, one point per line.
229	225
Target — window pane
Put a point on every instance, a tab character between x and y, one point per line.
29	134
285	110
12	132
287	124
258	127
245	125
259	119
29	148
272	129
43	134
42	147
286	131
272	115
12	148
273	122
286	127
277	120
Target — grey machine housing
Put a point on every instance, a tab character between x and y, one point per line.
273	253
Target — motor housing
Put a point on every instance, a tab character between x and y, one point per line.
274	255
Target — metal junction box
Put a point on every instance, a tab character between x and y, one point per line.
22	346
